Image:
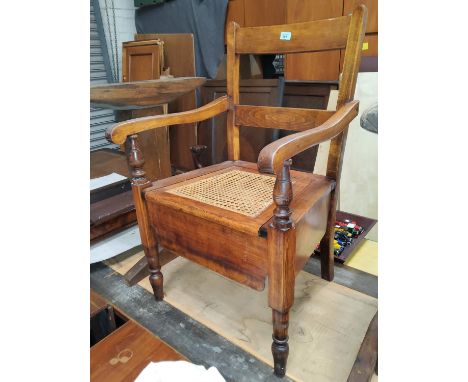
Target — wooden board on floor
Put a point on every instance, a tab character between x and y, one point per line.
328	322
365	257
123	354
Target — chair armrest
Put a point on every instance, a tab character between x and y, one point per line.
119	132
272	156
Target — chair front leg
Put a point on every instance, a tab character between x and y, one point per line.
281	254
148	239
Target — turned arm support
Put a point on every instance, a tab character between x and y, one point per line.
118	133
272	156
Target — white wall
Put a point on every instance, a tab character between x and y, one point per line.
124	24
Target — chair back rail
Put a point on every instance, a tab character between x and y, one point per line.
285	118
311	36
321	35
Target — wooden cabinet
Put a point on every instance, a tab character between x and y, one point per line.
141	61
320	66
264	12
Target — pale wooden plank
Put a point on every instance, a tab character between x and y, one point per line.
327	324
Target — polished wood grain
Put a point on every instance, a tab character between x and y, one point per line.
280	117
320	35
122	355
119	132
281	257
241	259
141	94
271	158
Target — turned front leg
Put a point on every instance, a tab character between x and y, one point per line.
281	253
280	347
148	240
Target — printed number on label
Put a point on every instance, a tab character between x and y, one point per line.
285	36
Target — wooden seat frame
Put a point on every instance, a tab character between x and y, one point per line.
312	126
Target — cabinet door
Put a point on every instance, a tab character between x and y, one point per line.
372	12
140	62
264	12
322	66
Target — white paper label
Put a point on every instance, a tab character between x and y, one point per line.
351	225
285	36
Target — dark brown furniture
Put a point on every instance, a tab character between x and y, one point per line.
126	350
248	221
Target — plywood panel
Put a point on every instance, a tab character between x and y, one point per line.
312	66
327	321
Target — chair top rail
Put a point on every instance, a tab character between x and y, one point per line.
319	35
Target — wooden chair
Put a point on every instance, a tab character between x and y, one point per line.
250	221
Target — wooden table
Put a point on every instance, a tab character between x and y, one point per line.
142	94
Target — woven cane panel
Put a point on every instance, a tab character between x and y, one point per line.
239	191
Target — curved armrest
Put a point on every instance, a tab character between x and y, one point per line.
118	133
272	156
